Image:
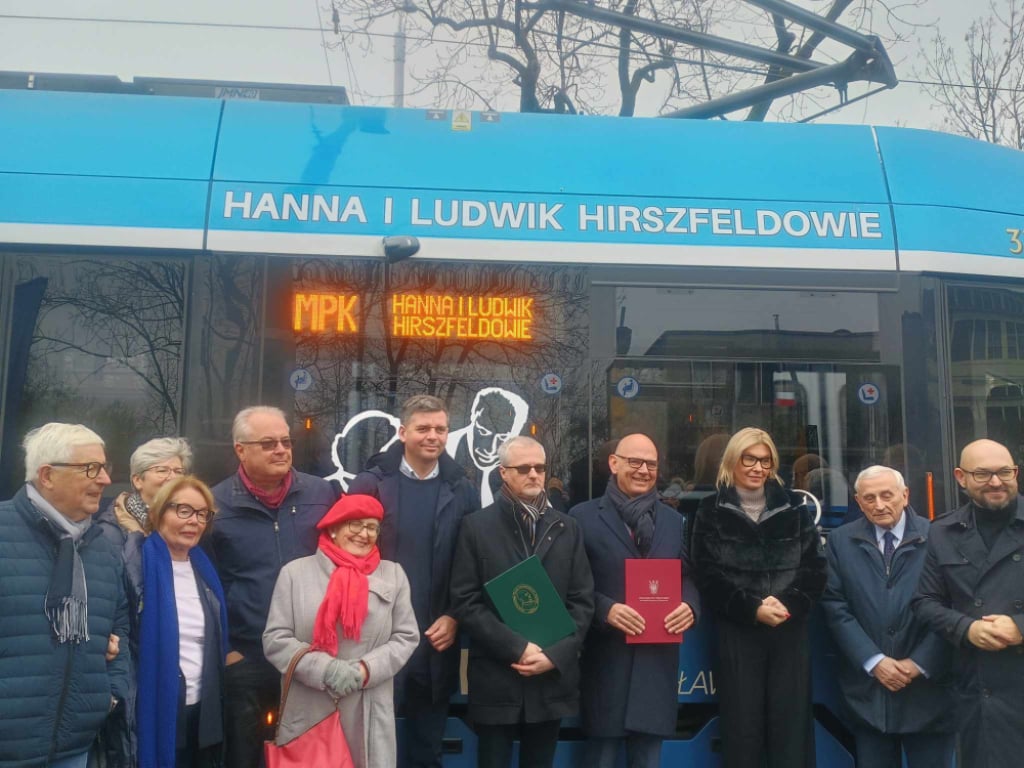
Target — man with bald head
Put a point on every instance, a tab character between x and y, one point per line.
972	593
628	692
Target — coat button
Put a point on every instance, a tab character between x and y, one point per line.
979	602
986	693
1018	604
1016	558
892	631
966	560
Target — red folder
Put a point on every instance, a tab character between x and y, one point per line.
654	588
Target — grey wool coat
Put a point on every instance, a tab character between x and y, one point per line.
389	636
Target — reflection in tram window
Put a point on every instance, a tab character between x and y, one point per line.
987	353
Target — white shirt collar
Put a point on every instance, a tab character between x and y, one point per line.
897	531
407	470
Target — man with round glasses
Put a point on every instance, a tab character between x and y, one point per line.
267	517
62	595
971	592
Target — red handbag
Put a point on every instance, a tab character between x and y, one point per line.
322	745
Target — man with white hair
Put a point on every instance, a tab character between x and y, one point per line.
893	667
266	517
62	597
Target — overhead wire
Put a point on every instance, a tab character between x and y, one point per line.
321	30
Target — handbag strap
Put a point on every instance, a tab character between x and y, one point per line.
288	684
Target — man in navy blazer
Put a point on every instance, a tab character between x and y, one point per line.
629	692
893	667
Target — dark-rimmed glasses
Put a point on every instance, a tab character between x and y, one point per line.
185	511
635	463
748	460
524	469
1005	474
269	443
358	526
90	468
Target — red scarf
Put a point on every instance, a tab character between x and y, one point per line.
348	596
269	499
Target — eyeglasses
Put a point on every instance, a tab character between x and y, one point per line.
634	463
92	469
163	472
524	469
985	475
185	511
269	443
358	526
748	460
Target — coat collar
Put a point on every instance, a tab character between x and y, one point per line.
969	543
389	462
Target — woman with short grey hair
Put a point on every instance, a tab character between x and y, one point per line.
153	464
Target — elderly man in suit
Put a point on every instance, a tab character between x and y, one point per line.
892	666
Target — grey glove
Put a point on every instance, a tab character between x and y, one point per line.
343	677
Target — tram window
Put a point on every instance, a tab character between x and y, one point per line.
504	346
102	342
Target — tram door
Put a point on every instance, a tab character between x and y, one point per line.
828	420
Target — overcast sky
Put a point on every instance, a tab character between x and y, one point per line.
280	41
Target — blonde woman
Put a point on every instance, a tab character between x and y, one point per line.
760	569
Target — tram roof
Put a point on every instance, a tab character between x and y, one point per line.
250	176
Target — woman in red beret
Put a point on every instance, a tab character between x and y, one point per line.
354	610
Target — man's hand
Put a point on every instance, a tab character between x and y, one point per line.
993	633
680	619
233	657
113	647
772	612
441	633
894	675
531	650
625	619
533	662
911	668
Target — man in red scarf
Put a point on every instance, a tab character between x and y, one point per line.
267	516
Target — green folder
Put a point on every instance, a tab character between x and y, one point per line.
527	602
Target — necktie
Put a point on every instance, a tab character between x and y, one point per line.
889	550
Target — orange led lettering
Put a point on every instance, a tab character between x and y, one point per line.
320	312
441	316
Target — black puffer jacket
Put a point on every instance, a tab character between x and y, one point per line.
738	562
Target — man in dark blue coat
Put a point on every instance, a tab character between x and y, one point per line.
61	597
629	692
893	667
425	495
972	593
266	517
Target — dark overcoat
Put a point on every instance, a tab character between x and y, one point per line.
868	611
962	581
456	498
628	687
489	544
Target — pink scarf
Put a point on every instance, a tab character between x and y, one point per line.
269	499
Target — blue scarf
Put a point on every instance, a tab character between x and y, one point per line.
158	691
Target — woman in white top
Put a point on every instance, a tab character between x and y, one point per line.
182	635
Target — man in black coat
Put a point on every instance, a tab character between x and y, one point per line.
972	593
893	666
518	690
629	692
425	495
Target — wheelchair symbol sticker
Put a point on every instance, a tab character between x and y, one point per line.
627	387
300	379
868	393
551	383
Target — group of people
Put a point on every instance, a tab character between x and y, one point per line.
155	632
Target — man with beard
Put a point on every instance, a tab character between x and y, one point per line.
629	691
972	593
518	690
